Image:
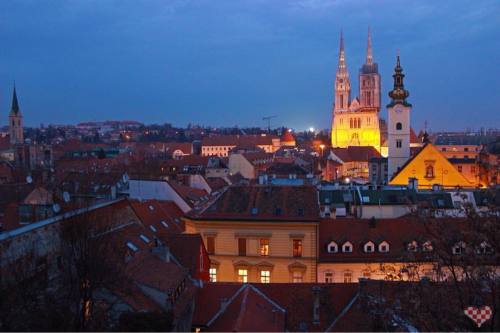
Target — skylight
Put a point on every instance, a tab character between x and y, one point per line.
152	227
132	246
145	239
163	223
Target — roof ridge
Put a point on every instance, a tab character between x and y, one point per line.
343	312
225	306
261	293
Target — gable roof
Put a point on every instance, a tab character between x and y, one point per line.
449	177
356	153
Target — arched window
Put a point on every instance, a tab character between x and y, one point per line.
341	101
412	246
350	122
359	122
383	247
332	247
369	247
399	126
459	248
429	171
427	246
347	247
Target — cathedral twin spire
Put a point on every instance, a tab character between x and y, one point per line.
369	52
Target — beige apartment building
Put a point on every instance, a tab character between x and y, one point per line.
260	234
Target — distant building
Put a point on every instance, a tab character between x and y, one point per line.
221	145
15	122
378	170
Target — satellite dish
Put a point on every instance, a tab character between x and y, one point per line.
29	180
66	197
56	208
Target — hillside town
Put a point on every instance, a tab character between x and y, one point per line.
370	224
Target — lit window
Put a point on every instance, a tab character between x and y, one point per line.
328	277
347	277
297	277
332	247
297	248
243	275
367	274
213	274
265	276
264	247
347	247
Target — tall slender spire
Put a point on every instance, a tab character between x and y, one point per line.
342	65
15	103
369	50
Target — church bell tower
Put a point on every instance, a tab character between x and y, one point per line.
398	122
15	122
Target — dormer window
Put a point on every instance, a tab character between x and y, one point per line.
163	223
332	247
383	247
412	246
153	228
347	247
132	246
484	248
459	248
369	247
151	207
427	246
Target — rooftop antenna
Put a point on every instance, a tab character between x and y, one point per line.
268	118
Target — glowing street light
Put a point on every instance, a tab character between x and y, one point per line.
311	129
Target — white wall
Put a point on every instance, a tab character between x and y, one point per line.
157	190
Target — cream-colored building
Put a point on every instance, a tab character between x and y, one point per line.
260	234
221	145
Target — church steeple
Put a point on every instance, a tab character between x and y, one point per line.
15	104
15	121
342	66
398	95
369	51
342	85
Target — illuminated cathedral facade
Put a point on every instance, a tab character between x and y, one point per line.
356	121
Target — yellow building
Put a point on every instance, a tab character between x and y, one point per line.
356	122
430	167
260	234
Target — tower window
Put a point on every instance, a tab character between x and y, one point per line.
399	126
399	143
350	123
429	171
341	101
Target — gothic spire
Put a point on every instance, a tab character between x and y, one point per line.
15	103
342	67
369	51
398	94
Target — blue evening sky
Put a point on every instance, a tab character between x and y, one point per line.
224	63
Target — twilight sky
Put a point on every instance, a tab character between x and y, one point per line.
231	62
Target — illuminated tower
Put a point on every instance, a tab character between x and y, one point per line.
369	79
398	127
342	84
15	122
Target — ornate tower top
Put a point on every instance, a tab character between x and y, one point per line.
369	51
398	95
342	68
15	104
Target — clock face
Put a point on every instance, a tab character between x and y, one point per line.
398	109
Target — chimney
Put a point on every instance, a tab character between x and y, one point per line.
316	304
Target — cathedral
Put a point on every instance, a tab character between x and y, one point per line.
356	121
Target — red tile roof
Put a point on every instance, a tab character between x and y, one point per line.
286	203
231	306
356	153
238	140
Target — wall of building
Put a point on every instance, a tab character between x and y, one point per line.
239	164
156	189
280	261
